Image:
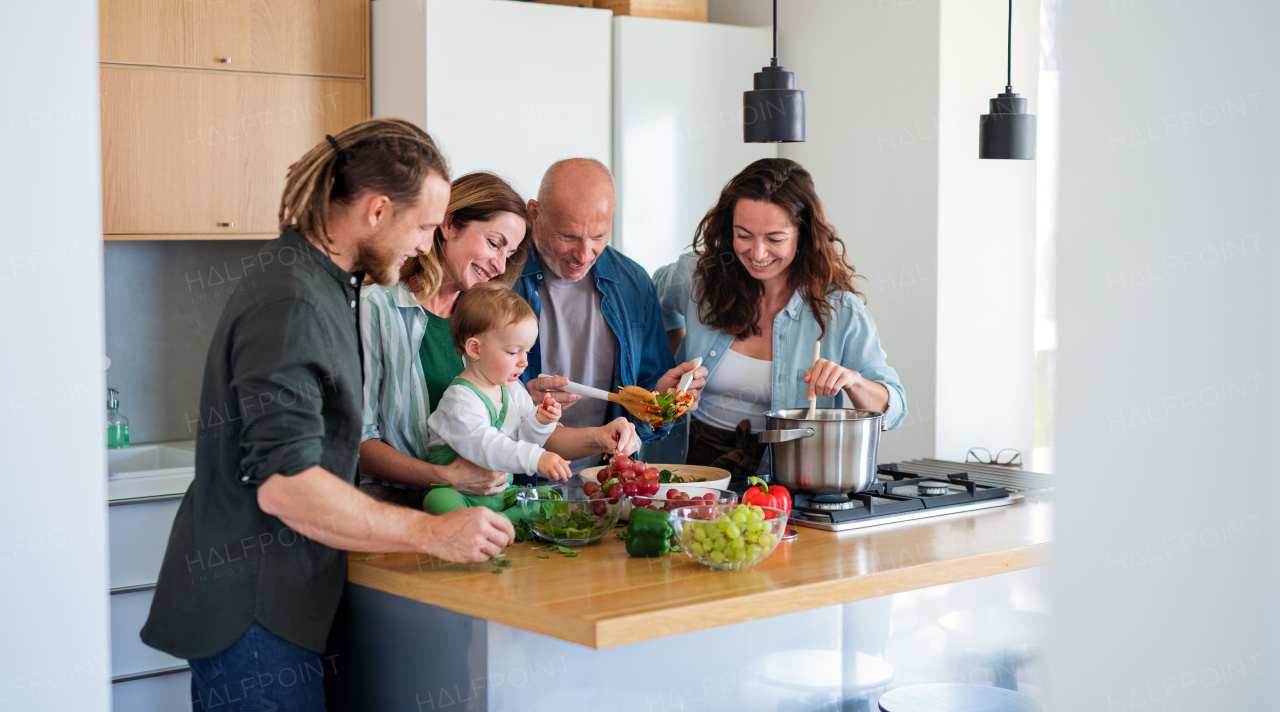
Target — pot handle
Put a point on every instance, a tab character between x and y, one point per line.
782	436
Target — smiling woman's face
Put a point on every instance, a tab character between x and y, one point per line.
478	252
764	239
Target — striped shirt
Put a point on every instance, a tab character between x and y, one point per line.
395	389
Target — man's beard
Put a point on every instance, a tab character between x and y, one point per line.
380	265
551	262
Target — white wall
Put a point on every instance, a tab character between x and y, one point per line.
986	236
54	653
677	127
503	86
1165	590
871	74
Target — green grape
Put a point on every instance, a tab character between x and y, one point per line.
716	557
718	545
696	549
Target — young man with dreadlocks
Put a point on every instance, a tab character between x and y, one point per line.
255	564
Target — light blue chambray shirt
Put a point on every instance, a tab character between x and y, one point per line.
851	340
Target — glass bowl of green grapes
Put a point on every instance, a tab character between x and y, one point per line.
728	537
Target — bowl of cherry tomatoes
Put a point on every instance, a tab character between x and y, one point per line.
642	483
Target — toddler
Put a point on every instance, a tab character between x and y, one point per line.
486	416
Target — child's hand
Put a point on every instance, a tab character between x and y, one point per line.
549	411
555	467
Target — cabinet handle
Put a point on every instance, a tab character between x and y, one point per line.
226	224
224	60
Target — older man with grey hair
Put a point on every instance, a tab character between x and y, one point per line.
599	322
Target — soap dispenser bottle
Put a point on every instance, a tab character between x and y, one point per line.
117	425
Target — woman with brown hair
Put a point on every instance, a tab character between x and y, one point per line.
409	356
768	277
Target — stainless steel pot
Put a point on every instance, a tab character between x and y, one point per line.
834	453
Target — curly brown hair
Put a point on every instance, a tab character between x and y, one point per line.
728	296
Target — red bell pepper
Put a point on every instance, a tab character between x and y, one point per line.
766	496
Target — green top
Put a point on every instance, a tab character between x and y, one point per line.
440	361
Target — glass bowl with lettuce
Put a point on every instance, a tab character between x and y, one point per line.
566	515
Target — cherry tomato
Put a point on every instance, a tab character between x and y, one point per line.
599	507
590	488
616	490
622	462
638	467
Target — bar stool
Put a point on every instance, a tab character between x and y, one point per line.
1001	638
953	697
819	678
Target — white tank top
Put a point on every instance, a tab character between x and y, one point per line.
740	388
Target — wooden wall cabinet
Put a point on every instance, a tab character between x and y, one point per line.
319	37
206	103
189	153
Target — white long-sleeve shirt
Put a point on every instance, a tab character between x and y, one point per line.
462	422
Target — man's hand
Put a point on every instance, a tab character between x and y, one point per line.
539	388
468	535
473	479
671	379
618	436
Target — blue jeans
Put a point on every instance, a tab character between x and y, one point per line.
260	672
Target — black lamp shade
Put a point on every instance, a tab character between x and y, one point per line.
774	111
1008	131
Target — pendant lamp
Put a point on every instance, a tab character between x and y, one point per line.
774	111
1008	131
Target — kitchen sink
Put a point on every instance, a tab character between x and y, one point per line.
148	460
160	469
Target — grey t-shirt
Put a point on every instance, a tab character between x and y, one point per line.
579	345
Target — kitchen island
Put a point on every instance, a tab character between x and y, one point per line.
821	619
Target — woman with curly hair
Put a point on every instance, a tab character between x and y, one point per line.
768	277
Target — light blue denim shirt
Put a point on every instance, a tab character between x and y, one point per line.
851	340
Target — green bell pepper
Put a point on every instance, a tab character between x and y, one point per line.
649	533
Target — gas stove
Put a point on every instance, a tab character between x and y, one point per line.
899	495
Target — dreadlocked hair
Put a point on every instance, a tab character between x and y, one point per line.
390	157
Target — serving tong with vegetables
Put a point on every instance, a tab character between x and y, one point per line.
649	406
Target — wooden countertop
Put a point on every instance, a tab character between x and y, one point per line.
603	597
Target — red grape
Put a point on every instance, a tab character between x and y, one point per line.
638	467
673	493
599	507
622	462
653	487
651	473
651	506
616	490
591	487
603	475
639	501
630	489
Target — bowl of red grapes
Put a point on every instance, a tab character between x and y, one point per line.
662	487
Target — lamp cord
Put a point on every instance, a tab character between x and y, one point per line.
774	63
1008	81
